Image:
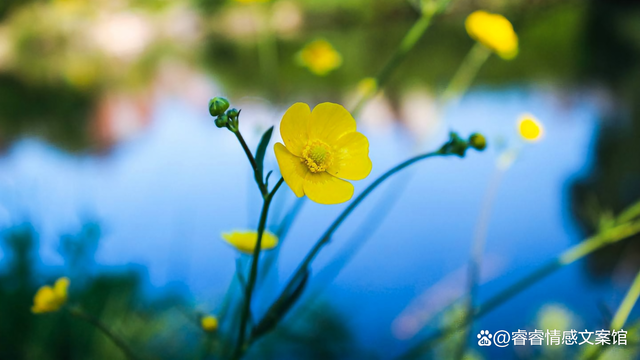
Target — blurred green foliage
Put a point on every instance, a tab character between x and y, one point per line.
156	326
151	325
66	77
613	183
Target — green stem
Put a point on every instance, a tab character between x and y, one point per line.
629	301
82	315
334	226
466	73
254	165
281	234
629	214
267	51
253	275
325	238
477	251
569	256
408	42
619	319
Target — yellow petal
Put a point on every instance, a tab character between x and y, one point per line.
329	122
245	241
294	127
325	188
209	323
293	170
320	57
44	300
530	128
269	241
493	31
60	288
351	157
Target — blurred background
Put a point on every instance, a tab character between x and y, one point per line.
112	172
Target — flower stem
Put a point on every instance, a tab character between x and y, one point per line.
408	42
326	237
82	315
619	319
477	251
253	274
469	68
569	256
629	301
254	165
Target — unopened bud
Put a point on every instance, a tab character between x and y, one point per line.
218	105
233	113
222	121
478	141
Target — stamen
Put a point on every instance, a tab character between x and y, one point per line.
317	156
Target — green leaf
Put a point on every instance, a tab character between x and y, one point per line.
262	149
280	308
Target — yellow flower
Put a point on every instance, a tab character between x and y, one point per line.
320	57
209	323
322	148
493	31
50	299
251	1
245	241
367	87
530	128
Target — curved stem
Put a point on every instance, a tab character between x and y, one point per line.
254	165
81	314
253	275
569	256
325	238
338	221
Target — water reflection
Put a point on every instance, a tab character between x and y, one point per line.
164	196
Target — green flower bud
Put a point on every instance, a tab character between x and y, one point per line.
478	141
218	105
222	121
233	113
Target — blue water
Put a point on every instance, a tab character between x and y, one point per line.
164	196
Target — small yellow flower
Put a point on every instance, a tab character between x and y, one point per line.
245	241
530	128
320	57
367	87
322	148
50	299
209	323
493	31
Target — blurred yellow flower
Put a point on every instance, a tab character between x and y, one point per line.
322	148
320	57
245	241
493	31
209	323
530	128
50	299
367	87
251	1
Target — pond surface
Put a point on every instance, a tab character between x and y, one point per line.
163	197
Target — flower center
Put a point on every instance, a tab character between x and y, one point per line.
317	156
